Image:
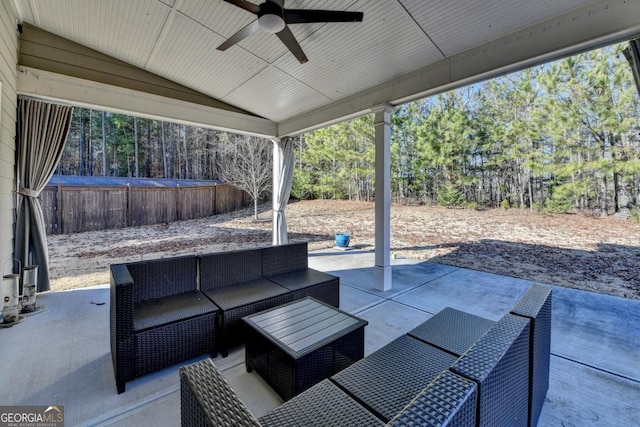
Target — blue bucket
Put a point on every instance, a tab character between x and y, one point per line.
342	240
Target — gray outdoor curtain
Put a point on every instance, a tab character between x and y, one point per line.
42	133
282	179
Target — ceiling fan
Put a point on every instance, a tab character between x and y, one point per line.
274	18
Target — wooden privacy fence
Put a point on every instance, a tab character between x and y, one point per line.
74	209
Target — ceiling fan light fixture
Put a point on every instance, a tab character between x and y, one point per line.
271	23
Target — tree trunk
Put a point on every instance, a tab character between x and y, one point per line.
616	175
82	145
90	151
104	148
530	191
255	208
603	195
172	160
149	151
164	152
186	154
115	159
135	147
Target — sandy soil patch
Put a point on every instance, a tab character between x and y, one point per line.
596	254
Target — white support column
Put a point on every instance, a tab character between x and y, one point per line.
382	268
277	167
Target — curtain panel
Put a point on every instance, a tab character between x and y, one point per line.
283	163
42	132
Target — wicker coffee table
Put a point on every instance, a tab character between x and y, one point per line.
296	345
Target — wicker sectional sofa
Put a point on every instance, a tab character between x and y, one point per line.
456	369
169	310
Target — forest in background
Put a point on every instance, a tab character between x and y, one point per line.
560	137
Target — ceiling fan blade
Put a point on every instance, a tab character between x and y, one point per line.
302	16
292	44
251	7
240	35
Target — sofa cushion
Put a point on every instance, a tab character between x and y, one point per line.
388	379
301	279
452	330
161	311
240	294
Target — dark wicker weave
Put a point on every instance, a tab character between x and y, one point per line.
234	282
163	277
409	382
536	306
310	283
288	266
323	405
499	363
121	323
233	330
284	258
158	317
452	330
301	344
206	399
449	400
166	345
387	380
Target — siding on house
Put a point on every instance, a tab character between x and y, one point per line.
9	46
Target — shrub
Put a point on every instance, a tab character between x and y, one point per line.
504	204
472	205
301	187
449	196
538	207
557	205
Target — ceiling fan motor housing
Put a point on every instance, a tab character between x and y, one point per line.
271	17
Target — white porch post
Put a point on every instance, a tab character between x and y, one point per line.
382	268
277	170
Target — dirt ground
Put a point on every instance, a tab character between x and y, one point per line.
595	254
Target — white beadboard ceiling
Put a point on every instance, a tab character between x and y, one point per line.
402	50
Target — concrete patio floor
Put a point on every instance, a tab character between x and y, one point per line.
62	356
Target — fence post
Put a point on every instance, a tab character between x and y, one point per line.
59	210
178	204
214	209
128	213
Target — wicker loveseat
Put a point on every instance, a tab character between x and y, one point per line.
169	310
455	369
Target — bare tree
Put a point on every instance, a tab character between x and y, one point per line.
246	163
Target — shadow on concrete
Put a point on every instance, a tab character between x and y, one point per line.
608	269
